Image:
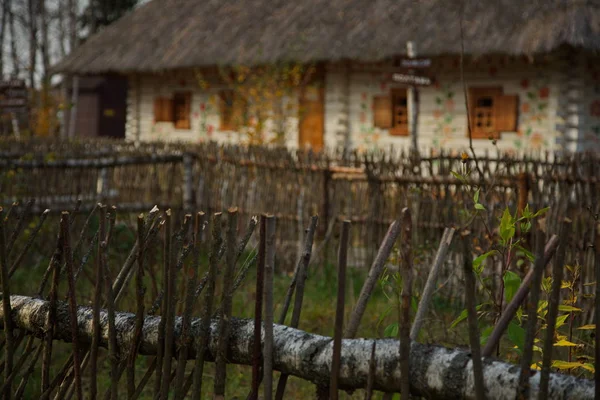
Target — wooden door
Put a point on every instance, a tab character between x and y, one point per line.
311	118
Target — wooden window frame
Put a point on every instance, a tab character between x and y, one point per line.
501	115
169	109
385	112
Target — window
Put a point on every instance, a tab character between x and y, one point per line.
391	112
491	112
233	110
176	110
181	110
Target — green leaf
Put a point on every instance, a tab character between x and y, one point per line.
414	303
476	196
485	334
478	262
527	253
541	212
560	321
391	330
461	317
479	207
459	177
516	335
563	307
512	282
507	226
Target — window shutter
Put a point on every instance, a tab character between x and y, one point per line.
167	109
505	112
382	112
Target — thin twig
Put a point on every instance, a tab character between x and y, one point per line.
8	323
225	314
260	270
30	240
202	343
382	255
532	315
185	338
168	309
298	299
553	302
96	308
20	224
339	311
68	256
431	283
268	325
472	316
404	331
139	320
54	266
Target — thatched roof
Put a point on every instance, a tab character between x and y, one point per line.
170	34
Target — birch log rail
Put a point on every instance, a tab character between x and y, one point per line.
436	372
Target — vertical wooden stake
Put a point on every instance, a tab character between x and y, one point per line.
97	304
472	316
227	297
8	323
597	304
269	267
168	311
407	261
339	311
64	226
554	300
532	320
260	270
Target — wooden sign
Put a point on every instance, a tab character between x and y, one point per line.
411	79
13	95
415	62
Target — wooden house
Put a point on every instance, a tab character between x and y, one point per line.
531	71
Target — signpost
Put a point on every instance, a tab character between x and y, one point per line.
13	100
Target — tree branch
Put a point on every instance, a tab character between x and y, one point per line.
436	372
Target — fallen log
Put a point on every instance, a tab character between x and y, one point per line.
436	372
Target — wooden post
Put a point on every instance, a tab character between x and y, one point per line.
413	104
188	191
73	112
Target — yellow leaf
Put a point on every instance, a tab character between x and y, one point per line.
570	365
565	285
563	307
565	364
564	343
592	326
535	366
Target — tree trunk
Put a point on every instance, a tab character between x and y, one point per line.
436	372
45	47
5	10
16	64
32	12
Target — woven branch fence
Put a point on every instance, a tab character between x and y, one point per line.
168	298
